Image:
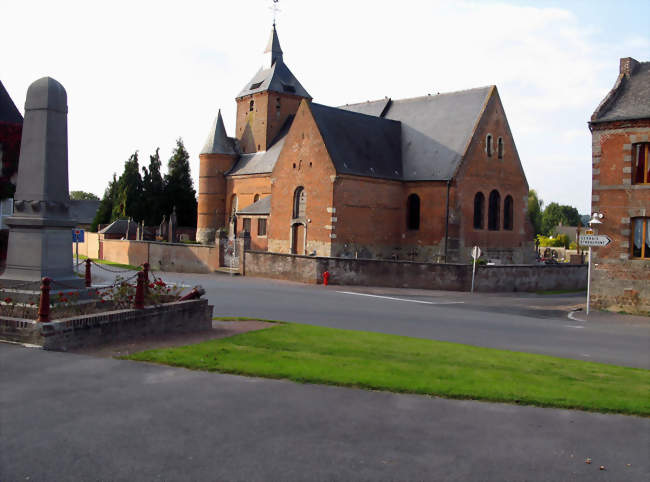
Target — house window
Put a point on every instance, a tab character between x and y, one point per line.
247	225
479	210
488	145
641	164
251	105
494	210
507	213
641	238
500	148
261	226
299	203
413	209
277	103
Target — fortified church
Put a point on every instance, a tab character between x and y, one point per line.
421	179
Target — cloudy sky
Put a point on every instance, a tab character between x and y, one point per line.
141	74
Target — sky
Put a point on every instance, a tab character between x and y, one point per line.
141	74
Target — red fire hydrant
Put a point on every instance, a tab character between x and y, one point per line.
326	278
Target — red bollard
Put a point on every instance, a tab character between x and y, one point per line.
88	279
326	278
44	302
139	292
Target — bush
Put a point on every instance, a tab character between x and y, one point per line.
560	241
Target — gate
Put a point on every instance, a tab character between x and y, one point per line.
232	254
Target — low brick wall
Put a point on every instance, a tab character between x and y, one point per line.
405	274
97	329
178	257
621	285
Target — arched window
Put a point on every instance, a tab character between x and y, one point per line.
500	148
479	210
494	211
507	213
251	105
488	145
413	212
256	198
299	203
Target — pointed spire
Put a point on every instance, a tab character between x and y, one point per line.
274	46
217	141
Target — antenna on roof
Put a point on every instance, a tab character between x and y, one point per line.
275	9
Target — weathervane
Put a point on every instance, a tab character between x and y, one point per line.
275	9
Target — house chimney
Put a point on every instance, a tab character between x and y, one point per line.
628	66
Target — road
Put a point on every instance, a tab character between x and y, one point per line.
73	417
513	321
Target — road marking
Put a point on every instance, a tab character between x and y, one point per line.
571	316
574	326
402	299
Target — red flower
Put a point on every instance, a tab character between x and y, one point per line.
71	293
7	300
64	300
151	285
103	301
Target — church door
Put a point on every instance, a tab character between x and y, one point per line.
298	239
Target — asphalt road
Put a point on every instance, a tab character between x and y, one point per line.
73	417
513	321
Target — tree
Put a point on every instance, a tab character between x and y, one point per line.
83	196
554	214
535	211
153	191
128	201
104	213
179	189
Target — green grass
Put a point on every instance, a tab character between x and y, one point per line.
111	263
311	354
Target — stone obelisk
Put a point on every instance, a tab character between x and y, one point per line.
40	238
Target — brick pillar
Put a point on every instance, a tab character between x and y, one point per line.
243	245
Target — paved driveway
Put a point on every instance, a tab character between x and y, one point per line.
74	417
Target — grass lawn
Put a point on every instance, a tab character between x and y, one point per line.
311	354
111	263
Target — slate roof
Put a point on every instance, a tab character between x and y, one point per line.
629	99
83	211
436	129
119	227
9	113
261	207
277	78
218	142
360	144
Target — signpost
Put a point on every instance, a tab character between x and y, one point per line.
592	241
77	237
476	254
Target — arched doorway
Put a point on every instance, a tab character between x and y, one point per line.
298	238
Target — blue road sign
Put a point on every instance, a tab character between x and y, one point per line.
77	235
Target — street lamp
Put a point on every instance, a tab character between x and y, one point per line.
596	218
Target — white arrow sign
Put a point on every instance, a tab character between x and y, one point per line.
592	240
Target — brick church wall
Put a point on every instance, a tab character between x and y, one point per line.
304	162
482	173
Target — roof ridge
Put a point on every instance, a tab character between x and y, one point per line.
351	112
489	86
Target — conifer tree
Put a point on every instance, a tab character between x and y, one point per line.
128	201
153	191
105	210
179	188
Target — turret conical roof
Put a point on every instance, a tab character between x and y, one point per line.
218	142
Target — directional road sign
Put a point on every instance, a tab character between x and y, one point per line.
594	241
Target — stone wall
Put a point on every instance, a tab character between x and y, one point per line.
404	274
97	329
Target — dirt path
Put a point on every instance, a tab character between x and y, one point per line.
220	329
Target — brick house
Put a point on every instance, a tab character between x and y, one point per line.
423	179
620	129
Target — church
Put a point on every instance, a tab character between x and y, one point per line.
420	179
